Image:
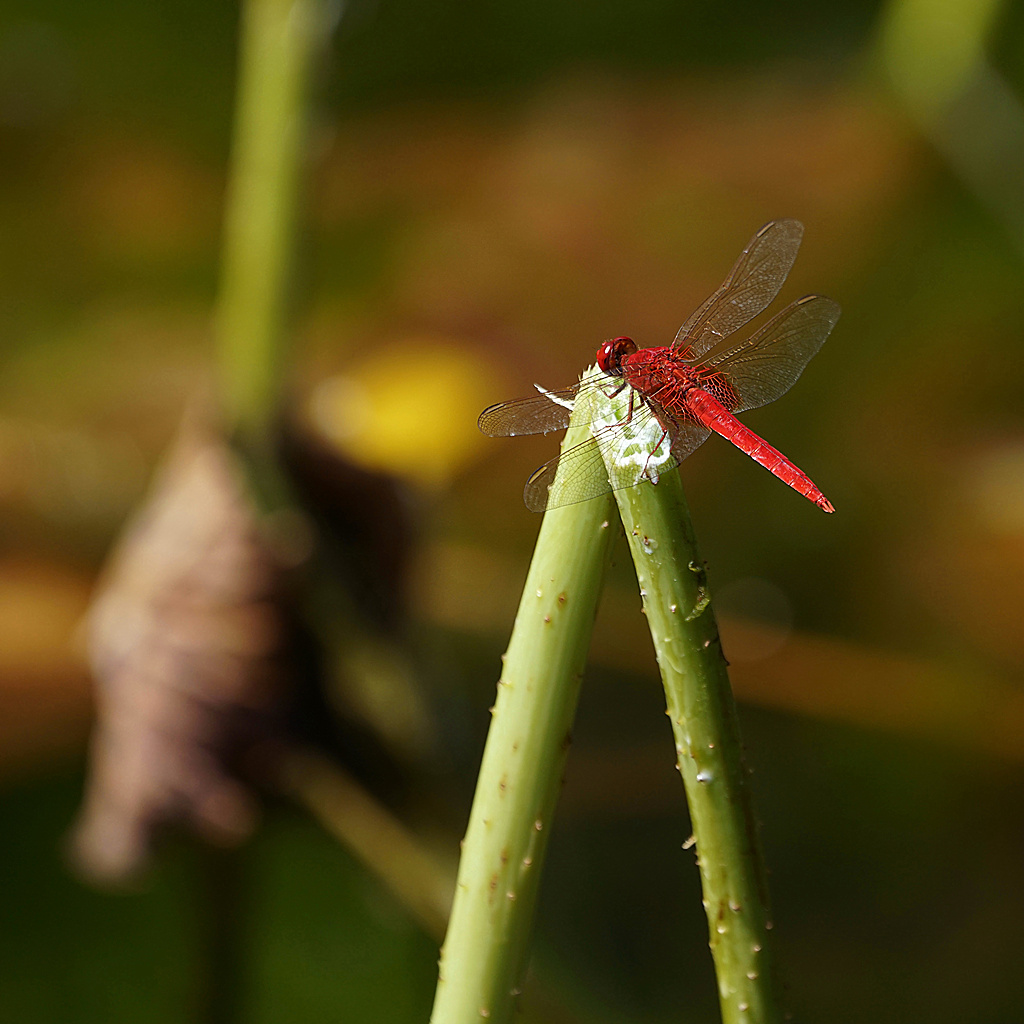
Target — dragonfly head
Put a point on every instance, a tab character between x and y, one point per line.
612	352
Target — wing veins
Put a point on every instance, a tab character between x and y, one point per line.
749	288
766	365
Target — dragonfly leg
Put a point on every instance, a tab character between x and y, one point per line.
629	411
652	452
616	391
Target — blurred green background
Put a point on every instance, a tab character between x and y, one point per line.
494	189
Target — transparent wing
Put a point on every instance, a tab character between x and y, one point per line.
767	364
580	473
687	437
752	284
577	474
537	414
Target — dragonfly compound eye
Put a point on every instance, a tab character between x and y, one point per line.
612	352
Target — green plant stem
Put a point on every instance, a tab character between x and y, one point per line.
673	585
281	42
485	949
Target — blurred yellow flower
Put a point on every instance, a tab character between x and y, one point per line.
409	408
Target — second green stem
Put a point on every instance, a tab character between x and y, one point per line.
673	585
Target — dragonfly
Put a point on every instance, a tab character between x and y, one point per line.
678	395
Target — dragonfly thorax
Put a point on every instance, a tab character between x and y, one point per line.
612	352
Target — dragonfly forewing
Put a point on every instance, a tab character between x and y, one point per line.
541	413
538	414
750	287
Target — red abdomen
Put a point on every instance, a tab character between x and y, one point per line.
714	415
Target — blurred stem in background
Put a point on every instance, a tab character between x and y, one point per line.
223	926
933	52
421	882
280	46
281	42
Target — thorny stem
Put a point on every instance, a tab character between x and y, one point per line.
484	953
674	588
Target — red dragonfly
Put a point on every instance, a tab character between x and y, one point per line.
678	394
